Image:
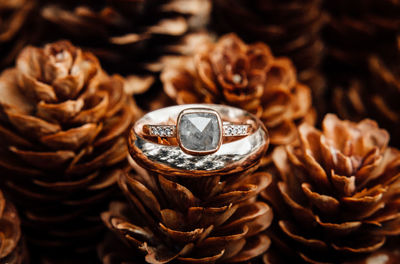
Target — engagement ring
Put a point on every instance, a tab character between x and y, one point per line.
198	137
199	131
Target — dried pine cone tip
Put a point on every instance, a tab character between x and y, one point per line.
61	115
290	28
342	181
12	247
60	86
247	76
207	220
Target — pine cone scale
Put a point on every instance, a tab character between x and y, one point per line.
48	160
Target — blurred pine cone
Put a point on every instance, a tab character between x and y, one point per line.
12	247
123	33
291	28
62	125
375	95
14	33
363	43
246	76
336	194
190	219
357	29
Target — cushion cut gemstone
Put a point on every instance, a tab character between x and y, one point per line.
199	131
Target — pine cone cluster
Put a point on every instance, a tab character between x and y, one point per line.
291	28
12	247
336	193
14	18
62	125
246	76
124	34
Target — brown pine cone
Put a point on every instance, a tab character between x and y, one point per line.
12	247
357	29
363	43
336	194
62	133
14	33
376	95
123	33
190	219
291	28
246	76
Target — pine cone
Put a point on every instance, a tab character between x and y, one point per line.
376	96
363	39
389	254
124	33
14	17
336	194
62	127
292	28
189	217
246	76
12	247
357	29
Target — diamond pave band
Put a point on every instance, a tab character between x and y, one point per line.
230	130
198	131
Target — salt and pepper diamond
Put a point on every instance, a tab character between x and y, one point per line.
199	131
162	130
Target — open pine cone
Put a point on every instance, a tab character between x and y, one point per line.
62	133
246	76
336	194
12	247
14	17
189	219
124	33
291	28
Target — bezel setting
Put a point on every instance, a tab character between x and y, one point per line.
198	111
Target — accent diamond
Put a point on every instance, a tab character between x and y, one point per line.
235	130
162	130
